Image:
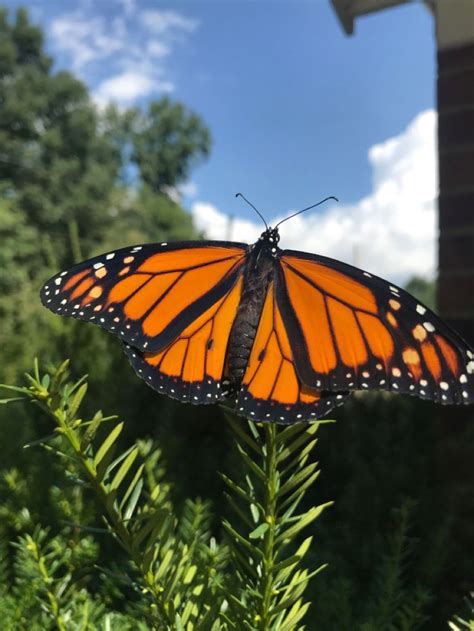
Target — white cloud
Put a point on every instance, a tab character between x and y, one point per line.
128	86
128	55
166	21
391	232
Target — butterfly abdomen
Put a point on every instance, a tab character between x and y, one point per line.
257	276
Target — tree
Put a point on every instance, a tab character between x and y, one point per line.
167	141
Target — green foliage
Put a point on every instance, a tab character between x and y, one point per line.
175	568
167	141
462	623
424	290
268	589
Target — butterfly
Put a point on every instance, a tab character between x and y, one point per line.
280	335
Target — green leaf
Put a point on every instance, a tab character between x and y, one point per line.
124	469
297	479
259	531
107	444
303	521
76	402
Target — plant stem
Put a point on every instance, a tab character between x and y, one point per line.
270	468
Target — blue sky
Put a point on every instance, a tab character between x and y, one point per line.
295	106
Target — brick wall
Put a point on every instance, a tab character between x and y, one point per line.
456	181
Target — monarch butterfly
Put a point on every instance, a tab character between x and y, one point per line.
281	335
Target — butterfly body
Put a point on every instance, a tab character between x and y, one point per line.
280	335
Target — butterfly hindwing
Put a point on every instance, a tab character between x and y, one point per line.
353	331
147	294
191	368
271	389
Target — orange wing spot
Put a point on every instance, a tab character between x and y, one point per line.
184	259
308	304
431	359
146	297
348	337
335	283
379	339
172	363
101	272
286	389
128	259
392	320
412	359
153	358
223	322
127	286
449	354
98	308
394	304
309	396
266	374
124	271
194	364
282	336
82	288
419	333
95	292
192	285
75	279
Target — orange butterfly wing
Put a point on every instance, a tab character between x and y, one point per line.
148	294
353	331
191	368
271	388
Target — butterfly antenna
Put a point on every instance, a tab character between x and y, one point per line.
250	204
305	209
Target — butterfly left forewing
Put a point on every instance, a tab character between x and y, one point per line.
352	330
147	294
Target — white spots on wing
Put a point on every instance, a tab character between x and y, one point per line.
98	265
423	382
364	385
318	383
339	397
382	382
420	309
367	274
63	302
63	273
299	416
349	375
137	248
443	397
470	367
56	292
379	366
422	392
396	372
465	394
110	256
57	281
443	385
393	289
412	387
102	319
163	244
429	327
395	386
470	354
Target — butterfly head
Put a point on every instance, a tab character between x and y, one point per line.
270	239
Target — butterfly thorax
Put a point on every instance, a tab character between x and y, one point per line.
257	275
